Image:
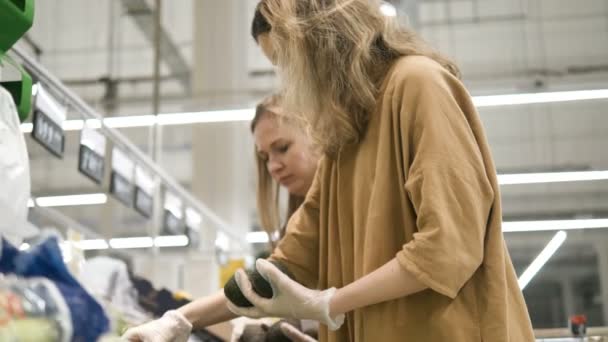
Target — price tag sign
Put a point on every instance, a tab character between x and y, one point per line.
193	224
121	181
49	116
91	156
173	218
144	192
49	134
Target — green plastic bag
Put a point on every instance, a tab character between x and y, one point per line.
21	90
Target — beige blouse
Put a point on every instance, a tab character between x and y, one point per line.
421	186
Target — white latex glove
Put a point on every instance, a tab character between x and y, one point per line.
239	325
172	327
294	334
289	299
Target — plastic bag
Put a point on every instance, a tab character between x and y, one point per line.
32	310
87	317
14	174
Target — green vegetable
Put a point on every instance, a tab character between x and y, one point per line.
259	284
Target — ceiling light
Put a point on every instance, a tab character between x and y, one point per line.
551	177
257	237
27	127
546	97
534	226
73	125
171	241
247	114
206	117
542	258
134	242
507	227
71	200
222	242
92	245
130	121
388	9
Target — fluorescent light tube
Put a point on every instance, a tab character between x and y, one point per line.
222	242
551	177
71	200
507	227
27	127
135	242
388	9
257	237
206	117
533	226
546	97
73	125
92	245
247	114
171	241
542	258
130	121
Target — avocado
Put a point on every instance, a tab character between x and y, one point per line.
259	284
275	334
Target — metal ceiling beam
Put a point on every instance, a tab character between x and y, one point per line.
142	14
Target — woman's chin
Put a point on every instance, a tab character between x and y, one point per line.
295	189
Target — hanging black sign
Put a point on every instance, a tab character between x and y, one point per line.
144	203
48	133
91	164
122	189
173	225
194	239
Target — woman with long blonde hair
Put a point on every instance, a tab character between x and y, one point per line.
399	237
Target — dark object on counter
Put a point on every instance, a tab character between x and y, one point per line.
157	302
263	333
260	286
254	333
275	334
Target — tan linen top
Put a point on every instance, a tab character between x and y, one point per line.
422	187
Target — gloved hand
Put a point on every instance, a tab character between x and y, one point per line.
172	327
289	299
294	334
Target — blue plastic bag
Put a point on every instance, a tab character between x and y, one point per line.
45	260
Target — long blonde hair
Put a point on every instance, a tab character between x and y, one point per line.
267	187
332	57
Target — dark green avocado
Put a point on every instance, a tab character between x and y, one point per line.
275	334
260	286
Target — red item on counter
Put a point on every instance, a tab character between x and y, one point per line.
578	325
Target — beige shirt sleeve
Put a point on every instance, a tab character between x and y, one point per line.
446	181
298	249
